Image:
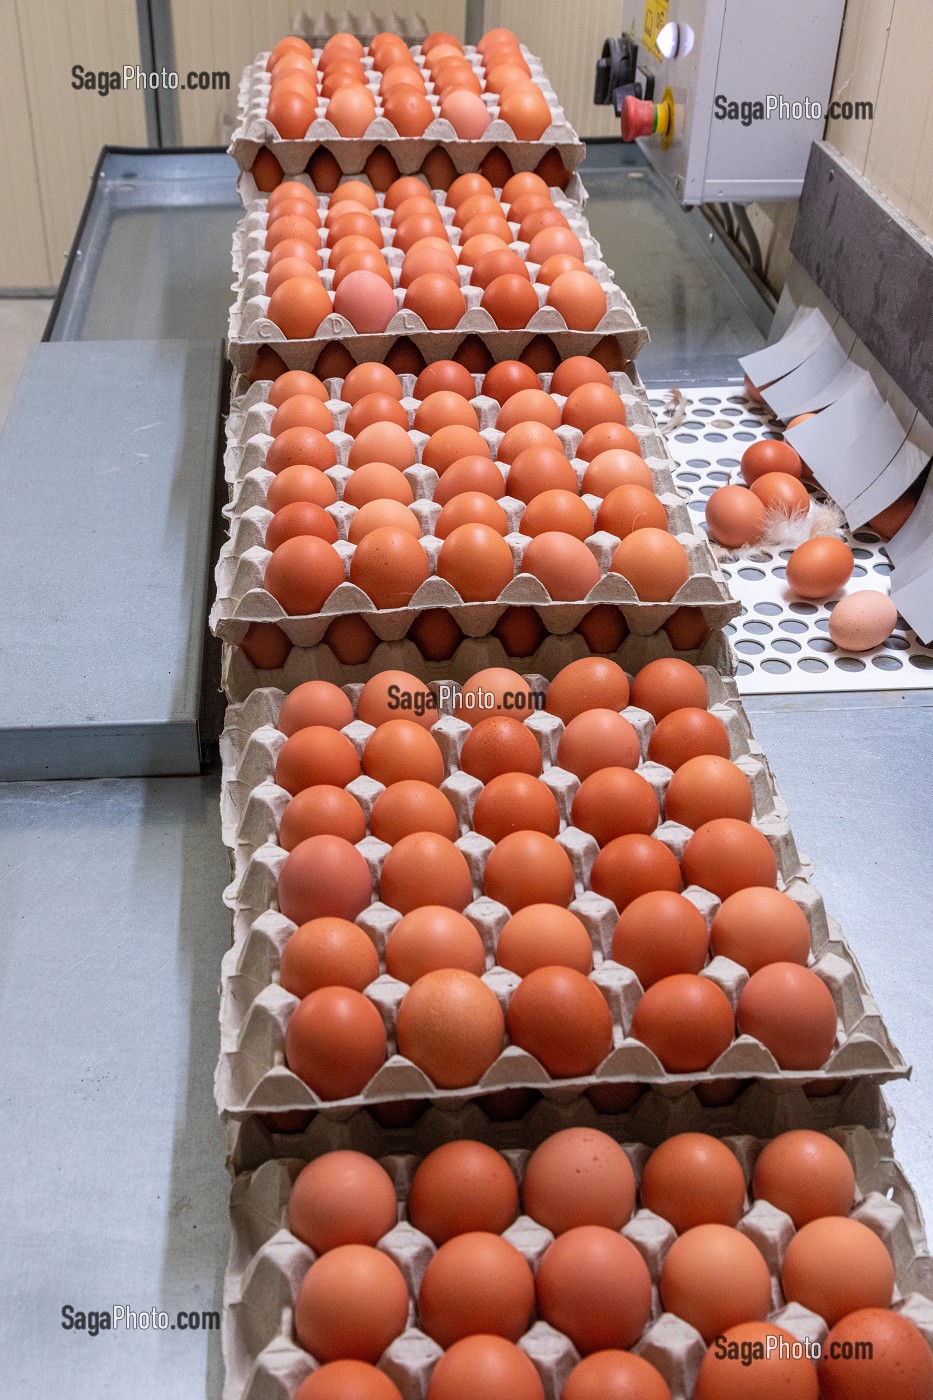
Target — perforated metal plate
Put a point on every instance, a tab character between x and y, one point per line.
782	643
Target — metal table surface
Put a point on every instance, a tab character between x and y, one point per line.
112	931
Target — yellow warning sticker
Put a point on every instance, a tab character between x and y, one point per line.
655	20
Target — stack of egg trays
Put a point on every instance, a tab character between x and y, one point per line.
267	1263
242	599
252	1076
253	132
249	328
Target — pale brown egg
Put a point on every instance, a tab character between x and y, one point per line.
477	562
835	1266
411	805
669	684
806	1174
451	1026
588	684
484	1365
425	868
780	1367
899	1361
342	1198
323	810
759	925
335	1042
863	620
598	738
389	565
579	1176
328	953
462	1187
693	1179
725	855
400	750
352	1303
713	1278
735	517
515	801
477	1283
563	564
544	935
660	934
383	442
383	514
792	1012
375	482
686	1020
655	564
594	1286
351	109
528	867
396	695
430	939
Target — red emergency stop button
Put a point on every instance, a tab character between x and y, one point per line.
640	118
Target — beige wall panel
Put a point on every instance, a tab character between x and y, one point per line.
903	102
227	34
24	258
858	72
569	39
70	127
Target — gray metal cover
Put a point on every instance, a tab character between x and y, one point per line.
106	472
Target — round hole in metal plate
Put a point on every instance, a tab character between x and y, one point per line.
753	422
748	648
859	572
768	609
758	628
849	663
895	643
714	437
822	623
698	462
785	644
703	412
730	463
732	412
709	398
753	574
861	553
812	663
887	663
822	644
923	660
881	567
779	571
697	505
729	629
775	667
745	437
790	624
805	609
684	437
865	536
707	487
688	476
743	669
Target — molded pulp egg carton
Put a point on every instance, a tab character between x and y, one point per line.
267	1264
253	131
252	1076
249	327
474	654
242	599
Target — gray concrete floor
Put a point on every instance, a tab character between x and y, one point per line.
22	322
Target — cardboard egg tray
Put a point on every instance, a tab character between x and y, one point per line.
252	1076
253	131
267	1263
250	260
574	190
474	654
242	599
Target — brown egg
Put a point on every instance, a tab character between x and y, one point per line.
430	939
302	573
575	371
328	953
383	515
357	190
792	1012
557	511
486	223
374	409
497	745
550	244
524	435
725	855
301	447
472	473
352	1303
474	354
342	1198
693	1179
484	1365
496	690
316	754
265	646
445	376
522	182
515	801
476	1283
351	109
579	1176
410	805
713	1278
377	482
400	750
686	733
477	562
288	268
655	564
396	695
632	865
526	406
425	259
451	1026
324	171
383	442
805	1174
389	566
588	684
298	307
563	564
756	1359
686	1020
313	886
507	378
607	437
528	867
475	204
899	1361
819	567
409	111
629	508
436	635
299	518
669	684
539	470
604	629
266	170
370	378
580	300
735	517
315	702
471	508
660	934
520	630
769	455
544	935
615	1375
467	113
598	738
497	263
406	187
616	469
335	1043
687	629
460	1188
558	263
760	925
510	300
562	1019
594	1286
437	300
445	409
449	444
323	810
291	113
705	788
351	639
350	222
472	249
338	1379
615	802
297	382
497	167
835	1266
425	868
782	493
349	245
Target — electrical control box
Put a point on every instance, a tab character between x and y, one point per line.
728	95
